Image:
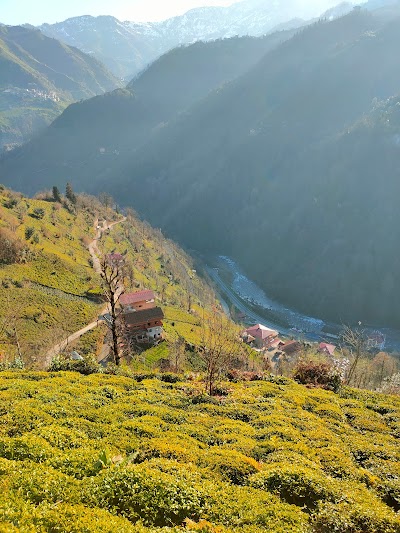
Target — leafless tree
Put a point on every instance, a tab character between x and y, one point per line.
356	340
220	347
113	274
178	354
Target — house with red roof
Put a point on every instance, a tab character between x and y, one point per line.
137	301
145	326
328	349
143	320
263	336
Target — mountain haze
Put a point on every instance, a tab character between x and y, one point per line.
278	168
128	47
99	134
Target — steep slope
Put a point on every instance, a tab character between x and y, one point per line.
242	168
247	172
39	76
49	290
100	134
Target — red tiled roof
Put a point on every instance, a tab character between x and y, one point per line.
135	297
138	318
330	348
261	332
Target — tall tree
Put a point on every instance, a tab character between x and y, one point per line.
69	193
112	274
56	194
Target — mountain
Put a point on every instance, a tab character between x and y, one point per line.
259	169
100	133
128	47
125	48
39	77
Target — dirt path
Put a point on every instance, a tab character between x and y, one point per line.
94	253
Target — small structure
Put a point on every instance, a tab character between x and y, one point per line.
276	344
291	347
328	349
137	301
263	336
145	326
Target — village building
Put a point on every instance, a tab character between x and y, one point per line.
263	336
376	341
328	349
145	326
291	347
142	318
137	301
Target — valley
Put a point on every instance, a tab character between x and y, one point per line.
199	265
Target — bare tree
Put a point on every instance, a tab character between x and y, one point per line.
356	340
220	347
113	273
178	354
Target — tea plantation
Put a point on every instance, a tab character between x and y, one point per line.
148	453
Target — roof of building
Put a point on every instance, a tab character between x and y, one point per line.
143	317
261	332
276	343
291	347
135	297
330	348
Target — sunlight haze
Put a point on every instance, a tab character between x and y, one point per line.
16	12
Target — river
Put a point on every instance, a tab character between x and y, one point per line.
238	290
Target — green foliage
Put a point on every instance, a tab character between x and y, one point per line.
103	451
88	365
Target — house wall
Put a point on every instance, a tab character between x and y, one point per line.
139	306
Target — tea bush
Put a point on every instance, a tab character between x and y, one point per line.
103	452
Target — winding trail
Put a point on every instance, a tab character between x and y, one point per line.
94	253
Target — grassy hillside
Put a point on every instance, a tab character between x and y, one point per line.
103	454
50	290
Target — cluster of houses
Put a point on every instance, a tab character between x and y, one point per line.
143	319
267	340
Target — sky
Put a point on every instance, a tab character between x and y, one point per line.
36	12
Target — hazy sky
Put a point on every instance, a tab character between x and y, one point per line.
38	11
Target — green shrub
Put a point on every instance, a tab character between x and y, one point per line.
230	464
87	366
139	492
298	485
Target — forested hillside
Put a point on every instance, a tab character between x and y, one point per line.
39	77
276	153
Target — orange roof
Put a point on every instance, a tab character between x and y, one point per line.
136	297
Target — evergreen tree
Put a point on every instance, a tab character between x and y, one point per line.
69	193
56	194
